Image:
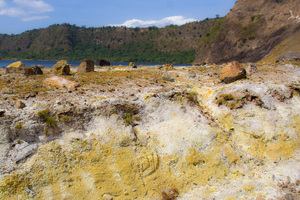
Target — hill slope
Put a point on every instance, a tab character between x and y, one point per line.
291	43
251	30
247	34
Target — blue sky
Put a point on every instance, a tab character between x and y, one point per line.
17	16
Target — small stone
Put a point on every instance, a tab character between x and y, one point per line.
107	197
170	193
30	96
259	198
251	68
297	182
167	77
20	104
168	67
131	64
289	197
2	112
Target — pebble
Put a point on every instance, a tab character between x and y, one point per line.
20	104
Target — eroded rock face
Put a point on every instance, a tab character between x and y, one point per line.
232	72
159	143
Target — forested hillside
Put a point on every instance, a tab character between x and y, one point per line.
175	44
247	33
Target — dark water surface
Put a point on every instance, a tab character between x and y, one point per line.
5	63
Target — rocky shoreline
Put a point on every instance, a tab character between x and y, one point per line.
151	133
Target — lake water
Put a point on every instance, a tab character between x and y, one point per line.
5	63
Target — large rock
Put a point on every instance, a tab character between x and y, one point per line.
232	72
37	70
17	64
289	56
101	62
61	68
16	67
28	71
86	66
59	82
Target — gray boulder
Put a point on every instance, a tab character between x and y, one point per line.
289	56
23	150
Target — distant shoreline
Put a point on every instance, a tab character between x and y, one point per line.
50	63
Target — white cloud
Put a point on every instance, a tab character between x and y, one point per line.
176	20
27	10
35	6
12	12
2	3
26	19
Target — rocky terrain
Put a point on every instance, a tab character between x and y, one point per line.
158	132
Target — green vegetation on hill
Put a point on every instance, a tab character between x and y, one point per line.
172	44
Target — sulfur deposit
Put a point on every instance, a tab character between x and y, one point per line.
128	133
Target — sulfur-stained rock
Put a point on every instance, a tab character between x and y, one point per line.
61	68
16	67
16	64
131	64
86	66
60	82
232	72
